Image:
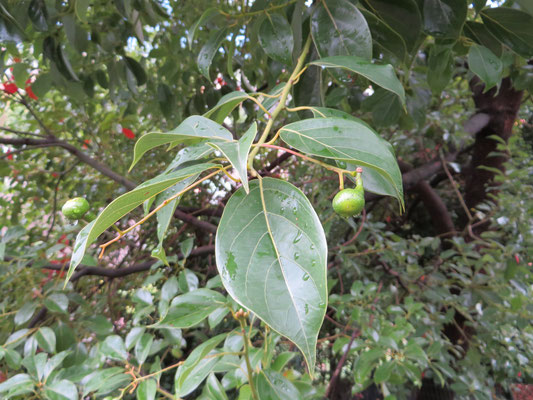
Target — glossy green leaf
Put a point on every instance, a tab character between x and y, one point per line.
382	75
440	68
57	302
64	65
193	129
225	106
113	347
208	51
339	29
384	36
208	14
123	205
511	27
345	140
365	364
61	390
276	38
444	18
146	390
25	312
213	389
142	348
46	339
17	383
272	385
197	366
486	65
271	256
134	336
104	381
191	308
237	153
402	16
35	365
55	361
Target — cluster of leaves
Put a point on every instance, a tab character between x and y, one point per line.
401	68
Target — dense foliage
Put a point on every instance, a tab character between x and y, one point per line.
218	269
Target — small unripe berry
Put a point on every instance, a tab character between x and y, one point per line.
75	208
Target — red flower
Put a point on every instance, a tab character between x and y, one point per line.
86	144
519	374
55	174
30	93
10	88
16	59
517	258
128	133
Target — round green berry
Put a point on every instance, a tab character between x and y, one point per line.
349	202
75	208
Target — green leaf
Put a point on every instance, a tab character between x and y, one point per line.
196	367
61	390
142	348
169	289
42	85
213	389
382	75
237	153
385	107
479	34
136	69
80	7
282	359
205	17
345	140
526	5
486	65
440	68
339	29
123	205
208	51
365	364
147	390
271	385
444	19
384	36
194	129
104	381
57	302
35	365
20	73
133	337
25	312
38	15
225	106
64	66
191	308
275	37
402	16
511	27
20	382
54	362
271	256
383	372
46	339
114	348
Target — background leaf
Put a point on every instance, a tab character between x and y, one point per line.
275	36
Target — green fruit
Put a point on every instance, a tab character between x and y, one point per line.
349	202
75	208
